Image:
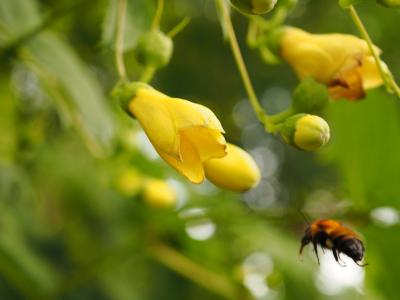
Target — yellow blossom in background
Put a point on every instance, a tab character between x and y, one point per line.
129	182
341	61
184	134
159	194
237	171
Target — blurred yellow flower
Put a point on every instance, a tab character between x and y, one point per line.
237	171
185	134
343	62
129	182
159	194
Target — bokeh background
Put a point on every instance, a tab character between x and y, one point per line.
72	225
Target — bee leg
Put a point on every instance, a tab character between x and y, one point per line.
361	265
316	251
344	264
335	255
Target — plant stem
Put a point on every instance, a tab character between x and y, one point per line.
147	74
119	41
182	265
227	22
178	27
157	16
282	116
387	76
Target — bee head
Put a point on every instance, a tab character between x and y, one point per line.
306	239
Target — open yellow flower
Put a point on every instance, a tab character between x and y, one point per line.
343	62
237	171
185	134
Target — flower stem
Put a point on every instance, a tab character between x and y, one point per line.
157	16
227	23
182	265
147	74
387	76
178	27
119	41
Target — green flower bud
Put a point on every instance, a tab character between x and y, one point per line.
310	97
154	48
305	132
390	3
124	92
254	7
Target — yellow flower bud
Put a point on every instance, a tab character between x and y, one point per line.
306	132
343	62
159	194
254	7
184	134
129	182
237	171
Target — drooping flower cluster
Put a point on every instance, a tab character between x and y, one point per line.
189	137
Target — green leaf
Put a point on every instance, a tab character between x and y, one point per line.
138	19
366	145
16	18
66	75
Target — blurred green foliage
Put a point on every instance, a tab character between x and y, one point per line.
66	232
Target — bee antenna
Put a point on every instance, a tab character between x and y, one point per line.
305	217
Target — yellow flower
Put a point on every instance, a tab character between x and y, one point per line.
343	62
237	171
184	134
159	194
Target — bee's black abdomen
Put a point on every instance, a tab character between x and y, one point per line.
353	248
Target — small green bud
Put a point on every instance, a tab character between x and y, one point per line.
310	97
390	3
305	132
154	48
125	92
254	7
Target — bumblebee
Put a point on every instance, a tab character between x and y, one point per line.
330	234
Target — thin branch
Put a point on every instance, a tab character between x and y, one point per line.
179	27
119	41
227	23
157	16
182	265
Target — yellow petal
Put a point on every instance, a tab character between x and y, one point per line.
371	78
209	143
188	114
237	171
156	120
190	164
348	85
310	60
